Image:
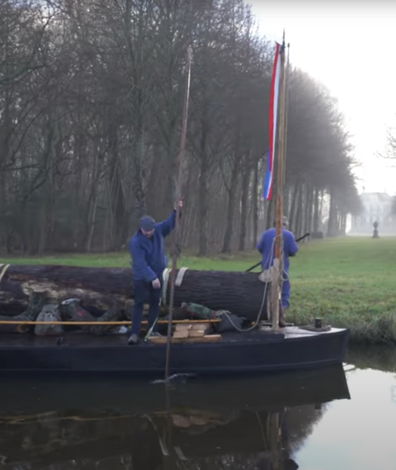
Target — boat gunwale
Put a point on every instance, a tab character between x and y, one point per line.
263	340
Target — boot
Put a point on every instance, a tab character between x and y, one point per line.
133	339
282	321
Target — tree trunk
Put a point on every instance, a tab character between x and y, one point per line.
270	216
203	208
299	211
306	226
244	209
293	208
332	224
316	211
286	201
119	228
321	202
230	209
343	225
255	206
309	220
238	292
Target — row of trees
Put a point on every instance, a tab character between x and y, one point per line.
91	97
390	154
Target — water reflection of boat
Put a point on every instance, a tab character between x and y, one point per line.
129	396
237	425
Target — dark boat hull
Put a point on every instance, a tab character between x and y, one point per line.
237	353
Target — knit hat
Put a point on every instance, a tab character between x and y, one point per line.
147	223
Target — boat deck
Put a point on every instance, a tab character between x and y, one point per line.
84	340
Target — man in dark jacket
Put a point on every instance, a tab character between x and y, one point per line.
148	263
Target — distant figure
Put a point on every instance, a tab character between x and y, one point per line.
148	263
375	233
266	247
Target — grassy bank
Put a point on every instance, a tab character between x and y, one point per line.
348	282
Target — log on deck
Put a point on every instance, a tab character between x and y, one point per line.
240	293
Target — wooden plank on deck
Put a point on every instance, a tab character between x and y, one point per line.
200	339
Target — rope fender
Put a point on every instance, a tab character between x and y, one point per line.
178	281
3	268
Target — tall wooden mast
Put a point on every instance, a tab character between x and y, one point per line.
178	195
279	168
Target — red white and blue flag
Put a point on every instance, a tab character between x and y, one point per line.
273	114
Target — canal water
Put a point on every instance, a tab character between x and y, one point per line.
341	418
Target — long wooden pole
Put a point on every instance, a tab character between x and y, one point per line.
178	196
279	161
115	323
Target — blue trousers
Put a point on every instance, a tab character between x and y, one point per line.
285	295
143	292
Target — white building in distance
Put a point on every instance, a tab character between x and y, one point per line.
377	207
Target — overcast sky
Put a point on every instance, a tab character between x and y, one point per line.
348	46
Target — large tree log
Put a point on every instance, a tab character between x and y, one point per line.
240	293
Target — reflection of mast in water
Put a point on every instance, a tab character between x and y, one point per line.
275	435
278	457
257	424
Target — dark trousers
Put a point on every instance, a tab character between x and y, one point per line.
142	291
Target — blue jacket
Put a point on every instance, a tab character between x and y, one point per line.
266	247
148	254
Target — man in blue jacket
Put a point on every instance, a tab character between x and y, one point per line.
266	246
148	263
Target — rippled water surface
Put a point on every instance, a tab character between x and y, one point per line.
338	418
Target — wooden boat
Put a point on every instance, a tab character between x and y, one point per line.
256	349
94	423
235	353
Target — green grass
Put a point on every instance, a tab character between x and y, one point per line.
348	282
